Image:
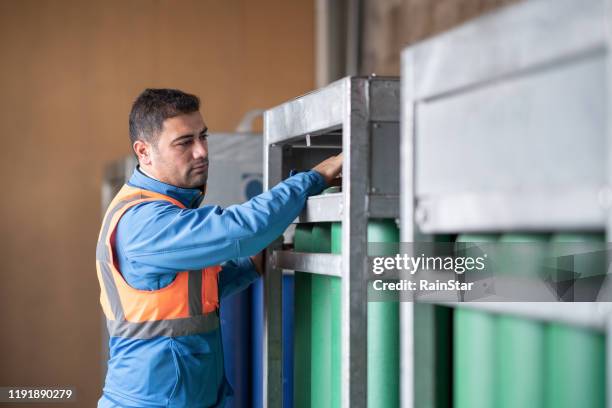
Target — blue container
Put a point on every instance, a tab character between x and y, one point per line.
257	344
236	333
257	317
288	310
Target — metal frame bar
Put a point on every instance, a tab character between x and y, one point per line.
329	207
355	145
322	264
352	104
322	208
541	35
470	212
272	325
607	193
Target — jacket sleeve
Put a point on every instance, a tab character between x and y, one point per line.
236	275
162	235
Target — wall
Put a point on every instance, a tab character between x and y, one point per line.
69	72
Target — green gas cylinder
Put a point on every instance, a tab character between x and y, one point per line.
325	356
322	324
520	342
575	356
473	348
302	242
520	362
576	367
523	254
383	329
383	333
336	315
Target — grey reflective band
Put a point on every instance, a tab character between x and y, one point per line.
195	293
112	294
170	328
102	253
103	258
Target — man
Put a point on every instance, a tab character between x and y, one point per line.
163	263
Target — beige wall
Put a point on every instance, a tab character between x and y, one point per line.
68	73
391	25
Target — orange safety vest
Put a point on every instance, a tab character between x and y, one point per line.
188	305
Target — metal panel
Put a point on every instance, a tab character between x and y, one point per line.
524	210
383	206
384	140
514	134
311	113
510	137
507	41
507	136
384	100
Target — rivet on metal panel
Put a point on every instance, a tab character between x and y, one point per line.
376	125
604	197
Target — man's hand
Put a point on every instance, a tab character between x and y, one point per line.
329	168
258	262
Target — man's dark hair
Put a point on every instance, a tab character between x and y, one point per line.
153	106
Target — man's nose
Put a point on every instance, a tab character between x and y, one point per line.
200	149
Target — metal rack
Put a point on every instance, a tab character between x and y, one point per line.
505	128
360	117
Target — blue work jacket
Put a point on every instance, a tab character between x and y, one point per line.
154	241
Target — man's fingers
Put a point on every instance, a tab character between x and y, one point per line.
330	168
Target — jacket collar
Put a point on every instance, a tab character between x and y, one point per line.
189	197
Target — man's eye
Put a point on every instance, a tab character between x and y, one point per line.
203	137
185	143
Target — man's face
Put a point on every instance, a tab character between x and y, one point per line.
181	155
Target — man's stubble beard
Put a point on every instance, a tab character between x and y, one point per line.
200	184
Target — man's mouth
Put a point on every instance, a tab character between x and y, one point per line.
200	167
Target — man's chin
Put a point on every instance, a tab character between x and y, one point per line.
199	184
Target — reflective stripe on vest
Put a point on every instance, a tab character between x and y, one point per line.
188	305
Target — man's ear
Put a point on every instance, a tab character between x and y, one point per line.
142	150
